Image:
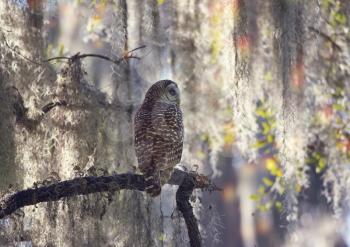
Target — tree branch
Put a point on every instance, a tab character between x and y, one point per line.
21	112
126	55
188	181
182	201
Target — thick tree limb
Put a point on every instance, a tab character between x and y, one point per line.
182	201
188	181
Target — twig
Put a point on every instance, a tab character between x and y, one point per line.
55	58
127	55
48	107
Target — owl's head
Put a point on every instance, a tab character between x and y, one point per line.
165	90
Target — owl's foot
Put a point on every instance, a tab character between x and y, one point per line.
153	187
153	190
149	178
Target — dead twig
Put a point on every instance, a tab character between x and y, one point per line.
48	107
126	55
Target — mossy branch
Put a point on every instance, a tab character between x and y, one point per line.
187	181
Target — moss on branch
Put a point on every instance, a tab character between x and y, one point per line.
187	181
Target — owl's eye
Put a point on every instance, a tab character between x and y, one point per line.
172	91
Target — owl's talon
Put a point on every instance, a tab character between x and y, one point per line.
149	187
153	190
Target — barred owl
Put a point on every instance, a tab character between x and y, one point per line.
159	134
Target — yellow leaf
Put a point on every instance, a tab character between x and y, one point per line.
261	113
261	190
267	181
229	138
263	208
272	167
270	164
160	2
268	76
279	173
298	188
161	237
279	206
259	144
255	197
266	128
229	134
269	138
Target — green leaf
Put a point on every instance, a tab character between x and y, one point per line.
261	113
259	144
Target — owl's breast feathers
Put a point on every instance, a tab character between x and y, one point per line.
159	136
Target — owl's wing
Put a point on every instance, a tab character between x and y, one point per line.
169	135
178	135
143	141
159	140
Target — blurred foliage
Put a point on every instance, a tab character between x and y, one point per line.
329	122
270	187
317	159
335	8
160	2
